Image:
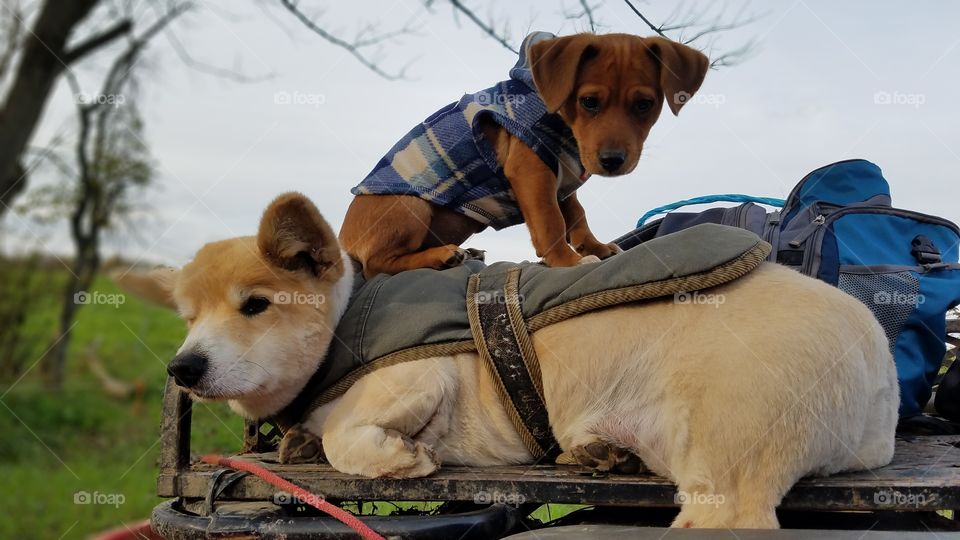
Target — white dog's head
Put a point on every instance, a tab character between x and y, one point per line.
260	311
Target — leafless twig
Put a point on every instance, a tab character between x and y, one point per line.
486	27
96	41
693	19
652	26
365	39
217	71
585	12
588	12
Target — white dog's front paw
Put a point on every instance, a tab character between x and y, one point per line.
300	446
589	259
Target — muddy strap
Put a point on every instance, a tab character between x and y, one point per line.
505	347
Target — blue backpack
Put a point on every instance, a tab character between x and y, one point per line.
838	226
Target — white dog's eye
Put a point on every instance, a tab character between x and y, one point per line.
254	305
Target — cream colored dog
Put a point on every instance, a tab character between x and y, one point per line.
780	377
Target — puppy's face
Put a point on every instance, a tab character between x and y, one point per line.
610	90
260	310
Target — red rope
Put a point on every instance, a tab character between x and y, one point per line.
319	503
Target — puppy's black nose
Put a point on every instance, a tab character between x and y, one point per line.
612	161
188	368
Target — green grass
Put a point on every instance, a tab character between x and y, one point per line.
55	446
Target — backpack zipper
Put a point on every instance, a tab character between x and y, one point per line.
792	198
811	228
741	214
818	230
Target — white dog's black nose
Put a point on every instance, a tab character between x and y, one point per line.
611	161
188	368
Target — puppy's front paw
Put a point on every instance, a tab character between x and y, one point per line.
589	259
301	446
605	457
455	257
599	250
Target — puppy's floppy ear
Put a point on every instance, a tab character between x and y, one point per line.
682	70
294	236
555	64
155	286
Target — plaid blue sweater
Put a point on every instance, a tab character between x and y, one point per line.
446	159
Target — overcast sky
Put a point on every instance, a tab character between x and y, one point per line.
808	97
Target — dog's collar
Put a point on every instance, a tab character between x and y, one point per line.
295	411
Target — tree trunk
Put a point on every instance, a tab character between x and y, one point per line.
44	58
83	269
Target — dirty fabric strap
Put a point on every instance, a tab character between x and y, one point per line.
499	330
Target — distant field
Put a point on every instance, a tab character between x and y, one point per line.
58	447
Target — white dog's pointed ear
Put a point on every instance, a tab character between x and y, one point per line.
155	286
294	236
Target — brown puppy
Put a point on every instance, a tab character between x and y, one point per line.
608	90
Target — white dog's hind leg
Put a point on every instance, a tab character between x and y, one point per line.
728	504
704	505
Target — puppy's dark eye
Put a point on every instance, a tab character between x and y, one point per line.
590	103
254	305
642	106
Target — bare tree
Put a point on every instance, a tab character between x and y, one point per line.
689	24
44	57
111	162
44	54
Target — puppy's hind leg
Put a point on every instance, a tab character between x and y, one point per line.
391	233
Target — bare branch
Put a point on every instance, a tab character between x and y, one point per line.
588	12
585	12
719	26
734	57
702	28
353	48
12	37
96	41
204	67
487	28
119	71
646	20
